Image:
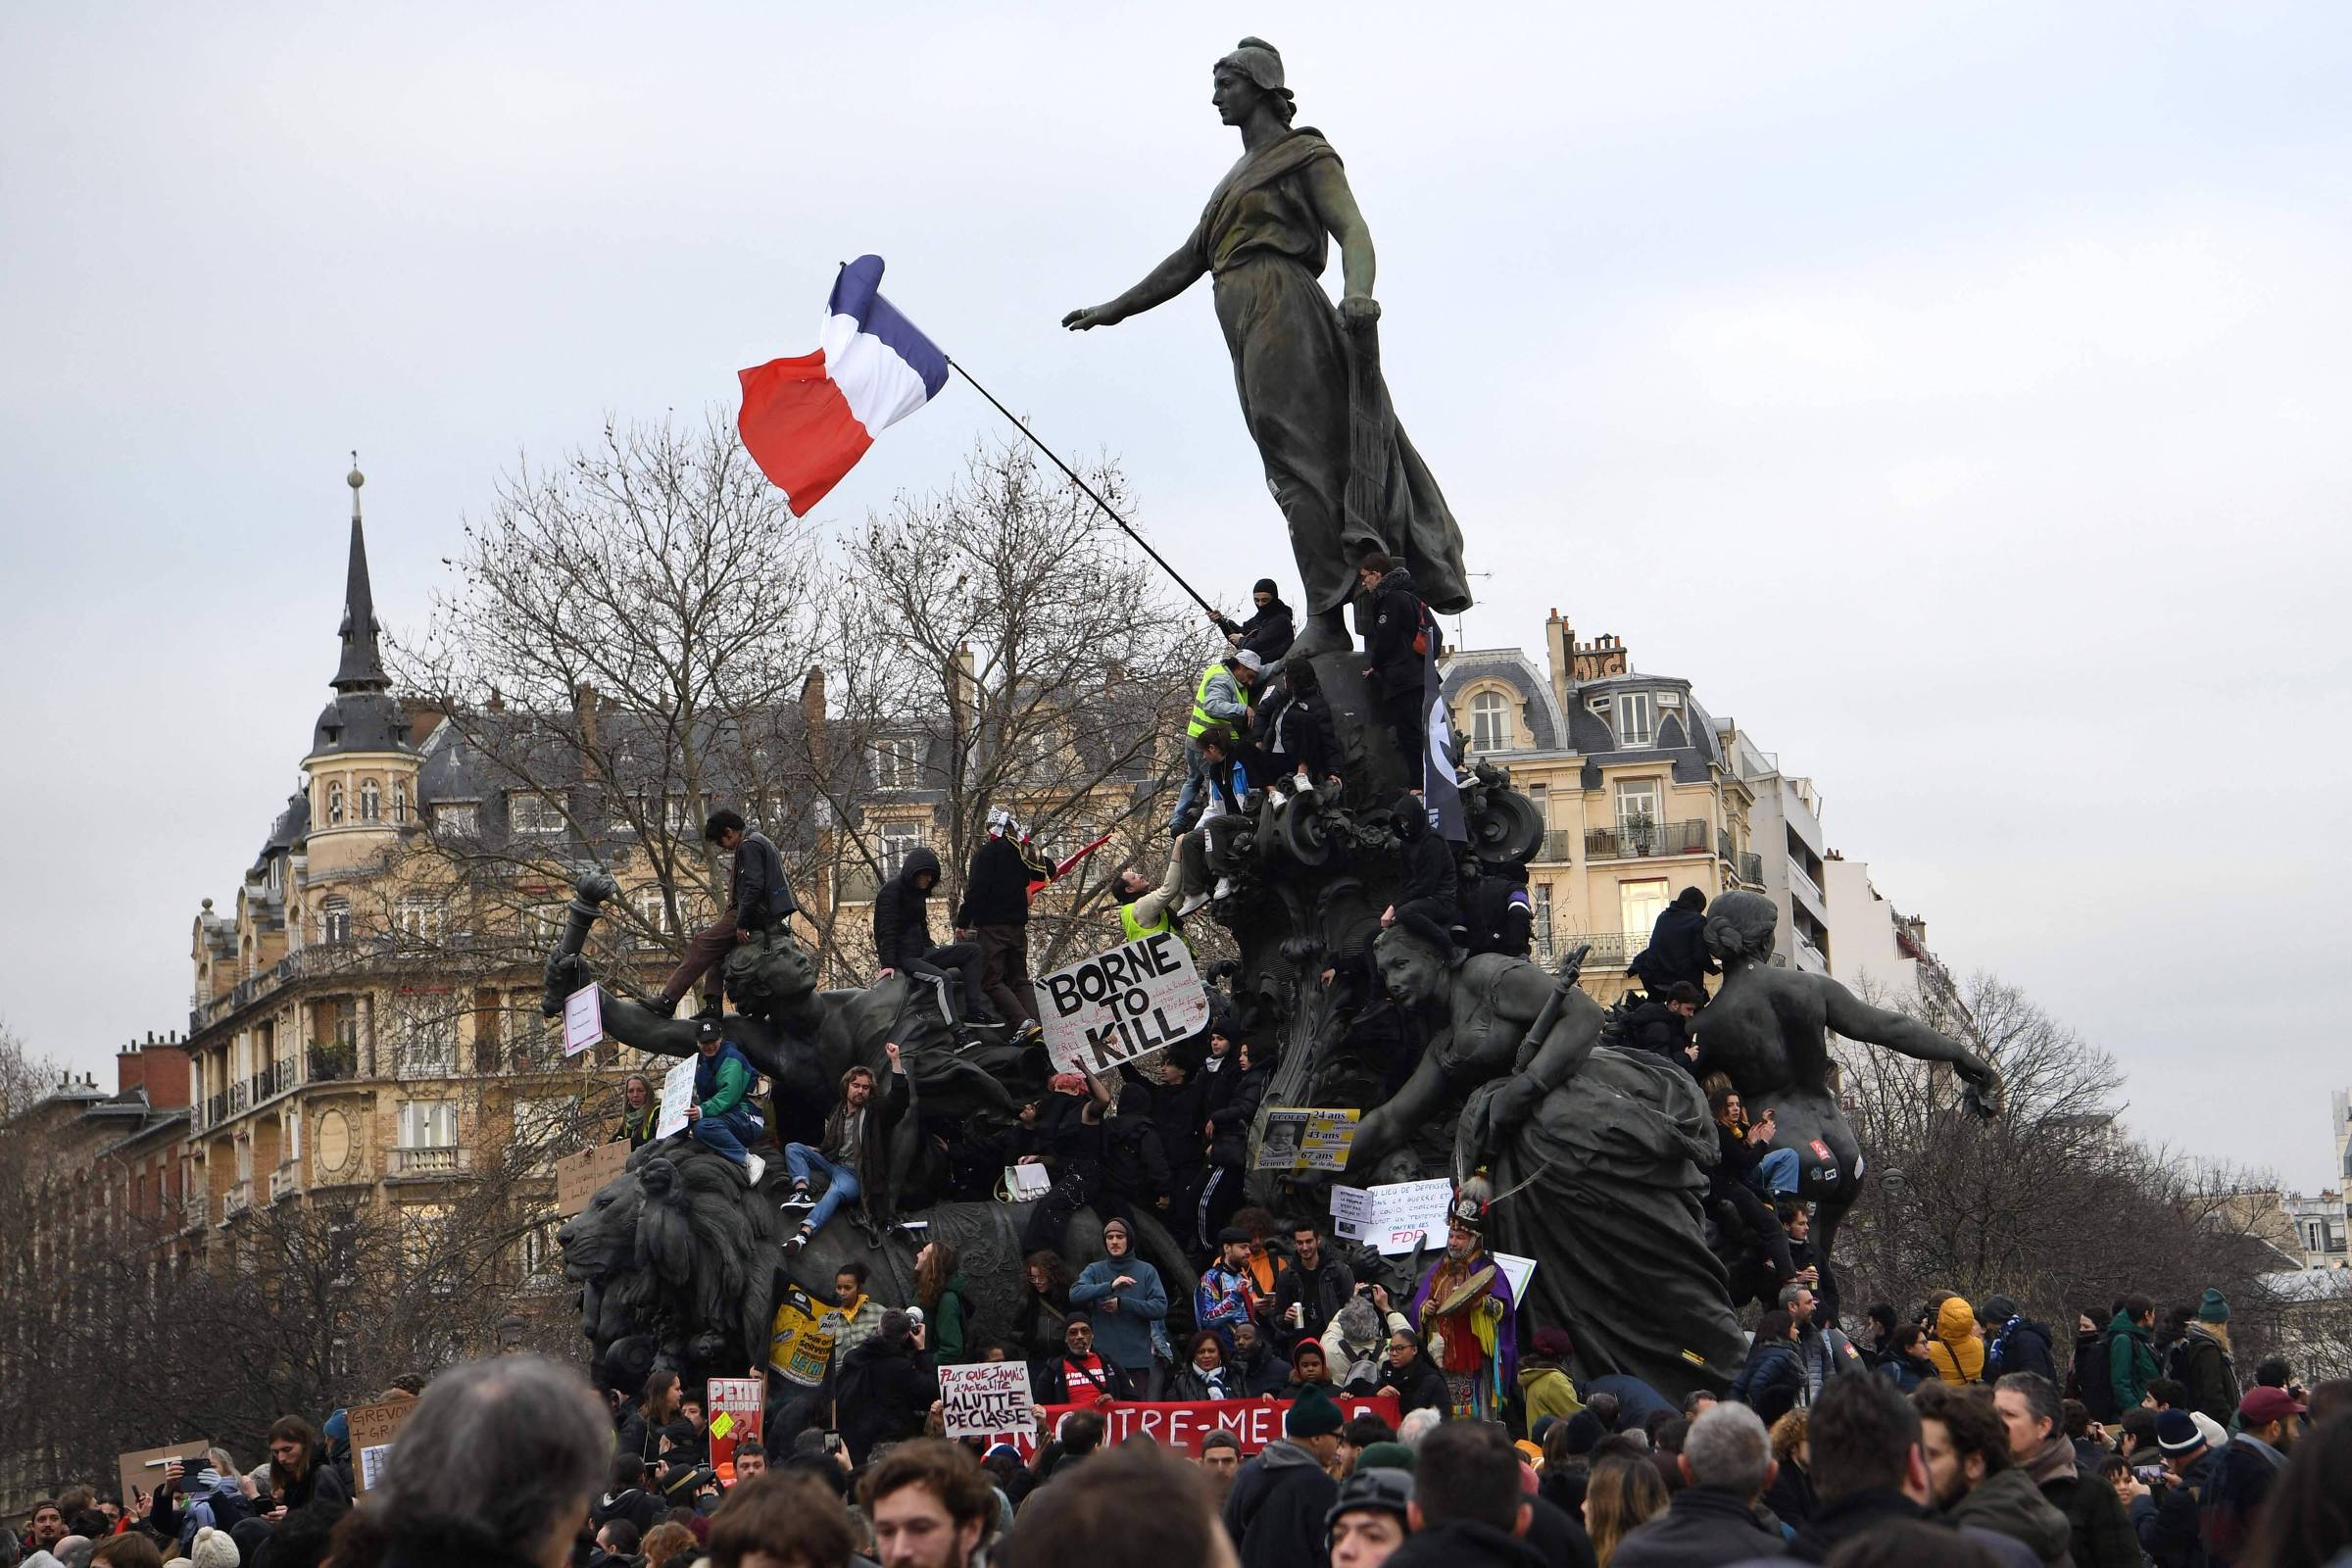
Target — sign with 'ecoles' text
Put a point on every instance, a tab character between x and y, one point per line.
1121	1004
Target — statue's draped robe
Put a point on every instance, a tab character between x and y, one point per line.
1602	1188
1265	245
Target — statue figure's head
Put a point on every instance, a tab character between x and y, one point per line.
1412	971
1248	78
1740	927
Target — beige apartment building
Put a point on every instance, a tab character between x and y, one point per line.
1644	792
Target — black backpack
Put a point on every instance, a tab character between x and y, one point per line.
2097	1392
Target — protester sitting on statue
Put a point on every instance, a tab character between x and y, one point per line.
640	1111
720	1116
1401	638
854	1316
1136	1174
1268	631
996	912
1678	947
1070	1140
902	937
1427	903
1234	1092
1293	729
1732	1195
758	898
1221	698
855	1142
1662	1021
1496	913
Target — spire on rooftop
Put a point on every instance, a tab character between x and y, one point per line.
363	667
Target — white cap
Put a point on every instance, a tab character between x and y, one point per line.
1248	659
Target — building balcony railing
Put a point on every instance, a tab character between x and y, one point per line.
237	1200
215	1110
281	1181
1559	847
263	1084
328	1063
236	1098
1611	950
1751	869
1810	958
1629	840
1801	881
446	1160
197	1210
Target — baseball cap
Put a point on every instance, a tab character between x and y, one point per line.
1248	659
2263	1405
707	1029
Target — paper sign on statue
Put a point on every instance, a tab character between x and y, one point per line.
677	1093
1518	1271
1121	1004
373	1428
1395	1217
1025	1182
580	1177
583	1019
989	1399
1302	1137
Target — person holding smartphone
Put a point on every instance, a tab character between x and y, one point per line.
1740	1152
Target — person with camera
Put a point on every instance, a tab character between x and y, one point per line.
886	1385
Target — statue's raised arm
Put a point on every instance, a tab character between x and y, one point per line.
1303	368
1857	1019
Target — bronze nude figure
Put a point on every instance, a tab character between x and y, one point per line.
1306	373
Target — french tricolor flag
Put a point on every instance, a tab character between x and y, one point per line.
806	420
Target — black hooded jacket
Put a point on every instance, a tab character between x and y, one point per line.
1268	633
901	917
1677	951
1429	874
997	892
1395	620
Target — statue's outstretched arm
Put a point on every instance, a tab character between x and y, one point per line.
1162	285
1857	1019
1334	204
1386	1127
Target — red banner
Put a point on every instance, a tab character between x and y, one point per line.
1181	1424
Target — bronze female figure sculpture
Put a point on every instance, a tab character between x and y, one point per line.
1305	371
1767	1030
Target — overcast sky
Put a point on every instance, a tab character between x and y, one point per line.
1956	394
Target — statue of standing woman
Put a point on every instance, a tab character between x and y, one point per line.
1308	373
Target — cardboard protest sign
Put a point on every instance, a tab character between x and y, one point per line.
580	1177
990	1400
800	1346
373	1427
1302	1137
733	1413
142	1469
583	1019
1395	1219
1182	1424
1121	1004
677	1093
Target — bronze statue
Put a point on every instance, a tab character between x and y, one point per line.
1306	374
1767	1031
1597	1157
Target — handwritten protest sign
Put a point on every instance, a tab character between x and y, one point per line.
373	1427
142	1469
583	1019
1518	1271
1121	1004
988	1400
1182	1424
1395	1217
1302	1137
677	1093
580	1177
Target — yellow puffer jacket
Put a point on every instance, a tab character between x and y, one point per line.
1958	1355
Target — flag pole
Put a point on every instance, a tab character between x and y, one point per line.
1020	425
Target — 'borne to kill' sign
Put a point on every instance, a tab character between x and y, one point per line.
1121	1004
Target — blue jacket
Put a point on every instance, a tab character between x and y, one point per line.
1124	1336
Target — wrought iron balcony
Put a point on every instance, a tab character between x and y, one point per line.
1611	950
1632	840
216	1111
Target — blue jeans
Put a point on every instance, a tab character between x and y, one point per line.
728	1133
1778	1171
841	1182
1196	779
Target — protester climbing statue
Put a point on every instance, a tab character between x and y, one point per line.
1767	1030
1347	480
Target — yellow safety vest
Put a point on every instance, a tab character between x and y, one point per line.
1133	930
1200	716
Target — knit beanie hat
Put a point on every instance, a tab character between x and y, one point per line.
1583	1432
1385	1456
2176	1433
213	1548
1312	1414
2212	1306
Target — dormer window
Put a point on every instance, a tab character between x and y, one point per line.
1636	722
528	811
1489	723
898	762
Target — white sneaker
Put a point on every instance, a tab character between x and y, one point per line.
1190	905
755	1167
1224	888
